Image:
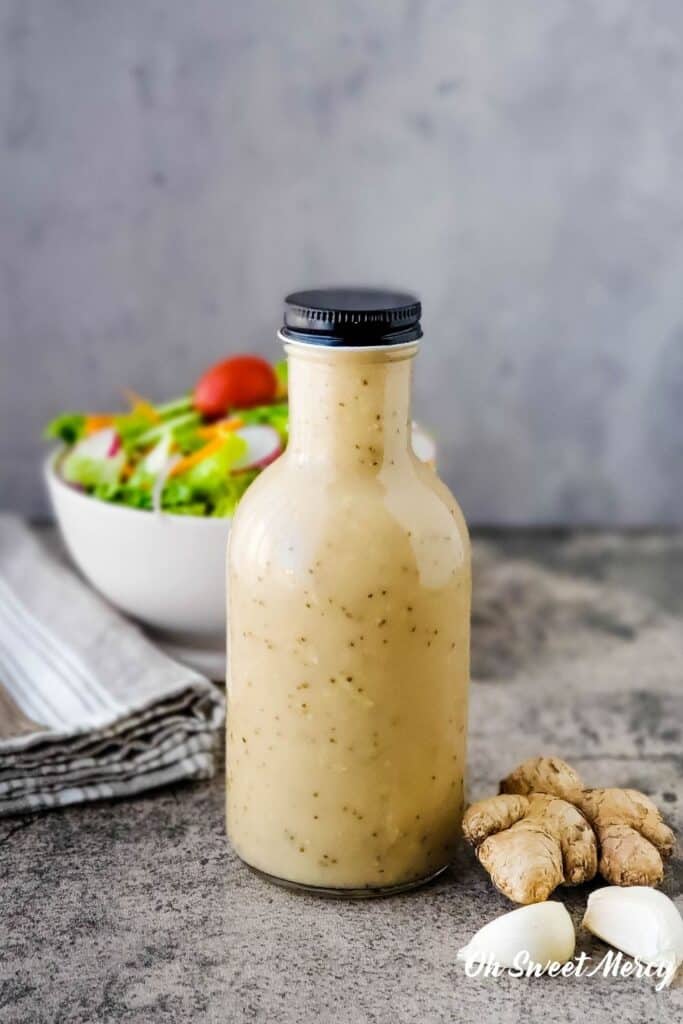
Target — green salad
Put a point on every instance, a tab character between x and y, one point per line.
195	455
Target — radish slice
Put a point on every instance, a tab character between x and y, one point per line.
115	446
97	459
424	446
263	447
103	444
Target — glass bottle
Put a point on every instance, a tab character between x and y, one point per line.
349	598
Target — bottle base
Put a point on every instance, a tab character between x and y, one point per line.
364	893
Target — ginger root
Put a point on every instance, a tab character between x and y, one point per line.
546	829
633	838
531	844
544	775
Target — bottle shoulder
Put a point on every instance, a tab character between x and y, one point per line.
443	493
308	492
289	511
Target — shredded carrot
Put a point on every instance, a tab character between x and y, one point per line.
221	427
96	421
127	471
141	406
202	453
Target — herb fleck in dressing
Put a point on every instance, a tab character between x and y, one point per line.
349	587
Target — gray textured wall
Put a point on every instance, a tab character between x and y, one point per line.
169	169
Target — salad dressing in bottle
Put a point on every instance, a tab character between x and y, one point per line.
349	597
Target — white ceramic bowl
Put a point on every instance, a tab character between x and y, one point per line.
166	571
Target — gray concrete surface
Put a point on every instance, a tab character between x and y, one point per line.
169	170
138	911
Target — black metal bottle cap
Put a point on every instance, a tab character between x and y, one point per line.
351	317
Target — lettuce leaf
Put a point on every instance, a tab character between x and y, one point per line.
282	375
226	501
124	494
209	476
67	427
83	469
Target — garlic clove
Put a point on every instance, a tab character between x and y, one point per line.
542	931
640	921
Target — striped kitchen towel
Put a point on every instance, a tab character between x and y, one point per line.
89	709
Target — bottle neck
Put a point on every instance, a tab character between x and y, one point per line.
350	407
